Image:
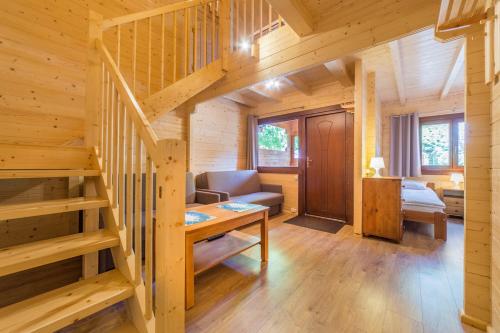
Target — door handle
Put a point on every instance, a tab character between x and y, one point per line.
309	161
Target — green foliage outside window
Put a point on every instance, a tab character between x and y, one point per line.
436	144
272	137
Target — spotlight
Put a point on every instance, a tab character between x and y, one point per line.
273	84
245	45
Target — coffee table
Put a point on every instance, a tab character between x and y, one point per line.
202	255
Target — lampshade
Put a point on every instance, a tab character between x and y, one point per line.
456	177
377	163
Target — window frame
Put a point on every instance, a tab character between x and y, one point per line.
452	120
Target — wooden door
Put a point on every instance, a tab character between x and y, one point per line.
326	166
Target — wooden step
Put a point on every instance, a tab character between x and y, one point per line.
46	207
22	257
61	307
16	174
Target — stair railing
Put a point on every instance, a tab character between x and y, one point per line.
142	211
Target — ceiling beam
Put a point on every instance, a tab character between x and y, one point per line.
295	15
457	65
398	70
339	70
265	93
298	84
240	99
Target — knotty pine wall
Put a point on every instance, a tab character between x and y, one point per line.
42	64
430	106
218	136
324	95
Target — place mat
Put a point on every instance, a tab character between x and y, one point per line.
238	206
192	217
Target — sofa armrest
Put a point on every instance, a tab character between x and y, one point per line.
205	198
271	188
224	196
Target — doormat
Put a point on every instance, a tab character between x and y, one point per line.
316	223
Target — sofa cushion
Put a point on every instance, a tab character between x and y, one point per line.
261	198
191	205
236	183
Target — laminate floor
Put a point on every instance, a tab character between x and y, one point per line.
322	282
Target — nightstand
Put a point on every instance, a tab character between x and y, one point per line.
454	200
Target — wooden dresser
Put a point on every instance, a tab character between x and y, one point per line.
382	215
454	200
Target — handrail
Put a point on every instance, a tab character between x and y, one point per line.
113	22
141	122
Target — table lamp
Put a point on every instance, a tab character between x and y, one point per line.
457	178
377	163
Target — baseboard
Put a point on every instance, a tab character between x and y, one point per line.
475	322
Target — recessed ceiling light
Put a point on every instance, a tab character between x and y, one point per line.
245	45
273	84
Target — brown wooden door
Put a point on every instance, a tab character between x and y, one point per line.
326	166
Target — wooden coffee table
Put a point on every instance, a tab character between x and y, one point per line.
204	255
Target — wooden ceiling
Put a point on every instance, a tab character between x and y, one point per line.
413	67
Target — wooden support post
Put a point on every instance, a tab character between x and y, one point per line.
93	80
170	236
359	119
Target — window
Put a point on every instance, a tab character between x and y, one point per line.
278	144
442	143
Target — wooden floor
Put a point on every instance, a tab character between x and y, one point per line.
322	282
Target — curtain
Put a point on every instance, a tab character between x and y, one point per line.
252	144
405	146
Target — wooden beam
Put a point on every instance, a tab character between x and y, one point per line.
338	69
295	15
398	70
457	65
265	93
298	84
282	52
240	99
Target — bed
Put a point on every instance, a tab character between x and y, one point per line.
420	203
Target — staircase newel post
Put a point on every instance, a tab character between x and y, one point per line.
170	236
93	83
225	34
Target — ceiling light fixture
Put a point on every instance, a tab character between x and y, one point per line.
245	45
273	84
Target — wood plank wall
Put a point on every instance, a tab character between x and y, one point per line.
373	138
477	265
43	67
324	95
218	136
429	106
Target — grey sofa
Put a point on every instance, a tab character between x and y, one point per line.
243	186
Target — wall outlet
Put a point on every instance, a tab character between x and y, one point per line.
293	210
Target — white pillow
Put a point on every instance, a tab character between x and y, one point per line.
413	184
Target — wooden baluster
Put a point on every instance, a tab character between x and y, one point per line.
118	44
261	18
105	124
174	60
149	237
100	111
114	171
280	21
186	41
138	209
252	31
121	168
129	200
134	57
162	70
195	39
245	19
237	23
204	42
270	15
149	57
109	165
213	31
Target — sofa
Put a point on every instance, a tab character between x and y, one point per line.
242	186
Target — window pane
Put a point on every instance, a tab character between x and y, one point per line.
436	144
461	143
278	144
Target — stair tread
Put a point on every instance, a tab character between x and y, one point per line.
40	173
61	307
46	207
25	256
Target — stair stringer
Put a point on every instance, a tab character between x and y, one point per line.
181	91
125	264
